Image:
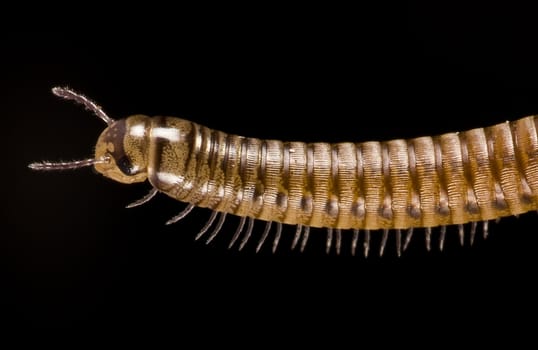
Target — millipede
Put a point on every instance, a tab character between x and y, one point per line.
348	189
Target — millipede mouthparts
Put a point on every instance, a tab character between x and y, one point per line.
394	187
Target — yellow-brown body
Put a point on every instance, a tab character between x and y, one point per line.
455	178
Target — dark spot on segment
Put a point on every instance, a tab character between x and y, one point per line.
472	208
282	199
526	198
238	199
306	203
332	208
358	209
259	189
259	192
413	211
443	208
385	212
500	203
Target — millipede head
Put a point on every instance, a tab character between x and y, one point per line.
121	150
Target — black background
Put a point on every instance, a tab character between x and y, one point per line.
72	256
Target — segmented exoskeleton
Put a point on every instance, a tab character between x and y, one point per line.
425	182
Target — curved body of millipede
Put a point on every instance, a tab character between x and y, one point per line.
425	182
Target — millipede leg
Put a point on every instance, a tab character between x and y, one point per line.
383	241
473	231
306	234
366	244
461	232
247	235
399	242
144	199
238	231
264	236
207	225
329	241
217	228
277	236
338	241
181	215
408	236
354	241
298	231
485	229
442	238
428	235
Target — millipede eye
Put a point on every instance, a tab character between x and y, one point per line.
125	165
